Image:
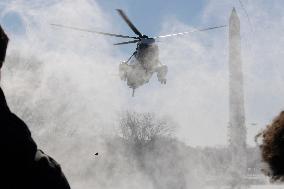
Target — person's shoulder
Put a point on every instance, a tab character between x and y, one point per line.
10	121
3	104
19	122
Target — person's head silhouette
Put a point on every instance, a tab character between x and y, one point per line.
272	148
3	46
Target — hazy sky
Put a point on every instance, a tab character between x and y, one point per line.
196	95
147	15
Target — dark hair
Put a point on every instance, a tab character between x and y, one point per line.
272	148
3	46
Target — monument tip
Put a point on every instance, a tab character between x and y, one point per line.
234	15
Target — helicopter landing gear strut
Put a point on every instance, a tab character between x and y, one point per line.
129	58
123	69
161	74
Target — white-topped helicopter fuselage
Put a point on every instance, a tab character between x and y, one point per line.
144	62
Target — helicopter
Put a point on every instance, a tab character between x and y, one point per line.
138	69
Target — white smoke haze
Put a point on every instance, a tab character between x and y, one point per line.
64	83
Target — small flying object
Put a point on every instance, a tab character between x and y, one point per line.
144	62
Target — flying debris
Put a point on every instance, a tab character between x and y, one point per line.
144	62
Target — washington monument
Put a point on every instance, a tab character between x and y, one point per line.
237	129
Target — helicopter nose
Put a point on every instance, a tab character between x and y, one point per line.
148	41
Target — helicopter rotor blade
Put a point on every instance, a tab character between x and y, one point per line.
188	32
92	31
126	42
130	24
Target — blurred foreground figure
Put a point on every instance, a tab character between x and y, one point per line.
22	164
272	148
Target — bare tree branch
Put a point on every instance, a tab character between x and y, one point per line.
143	127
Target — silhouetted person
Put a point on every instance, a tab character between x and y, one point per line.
22	165
272	148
